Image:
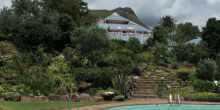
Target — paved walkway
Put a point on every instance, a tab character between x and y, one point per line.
133	102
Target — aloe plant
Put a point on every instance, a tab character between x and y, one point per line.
123	83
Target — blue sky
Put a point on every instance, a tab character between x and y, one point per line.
150	11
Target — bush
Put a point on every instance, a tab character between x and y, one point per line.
202	95
191	53
162	54
7	48
207	69
145	57
97	76
218	66
184	73
203	86
162	89
123	83
3	37
134	45
38	81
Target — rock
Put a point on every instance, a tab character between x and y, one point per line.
73	97
84	85
108	95
40	98
189	99
26	99
168	70
12	82
98	98
86	98
136	78
55	97
1	81
8	77
159	71
141	69
14	97
1	97
214	99
119	98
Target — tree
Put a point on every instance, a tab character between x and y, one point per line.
187	31
211	35
168	22
162	54
28	25
218	64
134	45
91	42
191	53
77	9
160	35
207	69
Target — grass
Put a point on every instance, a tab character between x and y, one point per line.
202	95
7	105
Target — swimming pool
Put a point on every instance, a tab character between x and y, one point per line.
167	107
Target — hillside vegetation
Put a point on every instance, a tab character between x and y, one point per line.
53	47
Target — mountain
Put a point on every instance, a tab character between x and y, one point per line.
124	12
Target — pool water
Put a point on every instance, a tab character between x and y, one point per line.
168	107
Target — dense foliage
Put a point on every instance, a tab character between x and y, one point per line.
207	70
48	46
211	34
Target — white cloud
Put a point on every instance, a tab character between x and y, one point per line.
4	3
150	11
211	2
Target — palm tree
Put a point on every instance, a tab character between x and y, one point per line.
168	21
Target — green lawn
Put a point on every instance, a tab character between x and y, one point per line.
4	105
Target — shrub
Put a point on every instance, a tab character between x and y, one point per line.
162	89
207	69
58	66
134	45
203	86
162	54
123	83
145	57
202	95
7	48
184	73
218	67
3	37
38	81
97	76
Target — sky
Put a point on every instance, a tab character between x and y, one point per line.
150	11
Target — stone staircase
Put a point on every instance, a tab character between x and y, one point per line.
146	87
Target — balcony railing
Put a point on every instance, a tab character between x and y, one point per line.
126	36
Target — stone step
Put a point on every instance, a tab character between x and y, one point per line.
144	92
141	89
144	96
151	80
142	84
145	87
